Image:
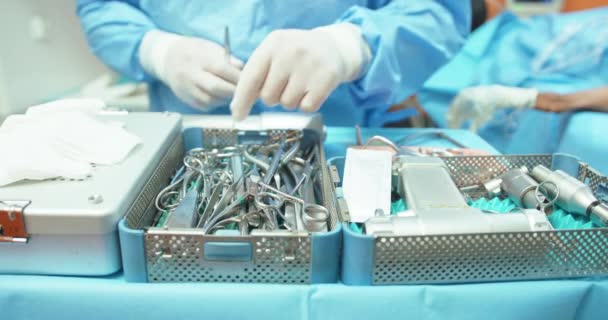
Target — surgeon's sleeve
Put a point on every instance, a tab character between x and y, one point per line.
114	30
409	40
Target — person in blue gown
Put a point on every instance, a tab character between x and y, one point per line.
352	59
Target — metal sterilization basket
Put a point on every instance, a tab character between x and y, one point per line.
154	254
482	257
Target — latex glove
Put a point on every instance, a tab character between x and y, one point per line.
301	68
196	70
478	104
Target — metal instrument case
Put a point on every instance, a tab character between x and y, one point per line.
152	254
69	227
462	258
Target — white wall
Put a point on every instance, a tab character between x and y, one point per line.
43	53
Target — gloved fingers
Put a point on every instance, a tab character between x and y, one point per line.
454	121
276	81
460	104
475	125
294	91
207	101
250	83
455	115
480	121
312	101
213	85
236	62
318	92
227	70
198	98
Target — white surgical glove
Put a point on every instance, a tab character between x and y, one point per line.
478	104
197	70
300	68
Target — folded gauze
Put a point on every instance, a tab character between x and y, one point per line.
61	139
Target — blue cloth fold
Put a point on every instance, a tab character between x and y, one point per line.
38	297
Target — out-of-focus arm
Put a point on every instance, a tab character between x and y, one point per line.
114	30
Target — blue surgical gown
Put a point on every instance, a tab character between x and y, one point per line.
409	40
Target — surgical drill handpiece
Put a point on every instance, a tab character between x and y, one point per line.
438	207
574	196
521	188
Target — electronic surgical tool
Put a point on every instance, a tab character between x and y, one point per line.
438	207
573	195
523	190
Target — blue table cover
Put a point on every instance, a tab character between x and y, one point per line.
90	298
586	136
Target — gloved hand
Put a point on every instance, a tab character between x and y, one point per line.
478	104
301	68
195	69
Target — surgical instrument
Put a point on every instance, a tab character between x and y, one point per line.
281	193
246	186
314	216
573	195
407	139
270	202
438	207
437	133
224	206
521	188
227	49
234	206
250	219
210	205
184	215
274	164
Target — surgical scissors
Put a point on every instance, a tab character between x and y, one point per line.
223	206
249	219
259	185
270	204
191	166
315	216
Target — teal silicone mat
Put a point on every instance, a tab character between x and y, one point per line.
559	218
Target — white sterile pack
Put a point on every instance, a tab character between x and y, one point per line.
64	139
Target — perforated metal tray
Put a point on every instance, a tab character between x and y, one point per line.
178	255
482	257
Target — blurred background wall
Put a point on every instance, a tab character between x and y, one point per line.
43	53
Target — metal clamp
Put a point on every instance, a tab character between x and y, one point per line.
334	175
12	221
343	211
